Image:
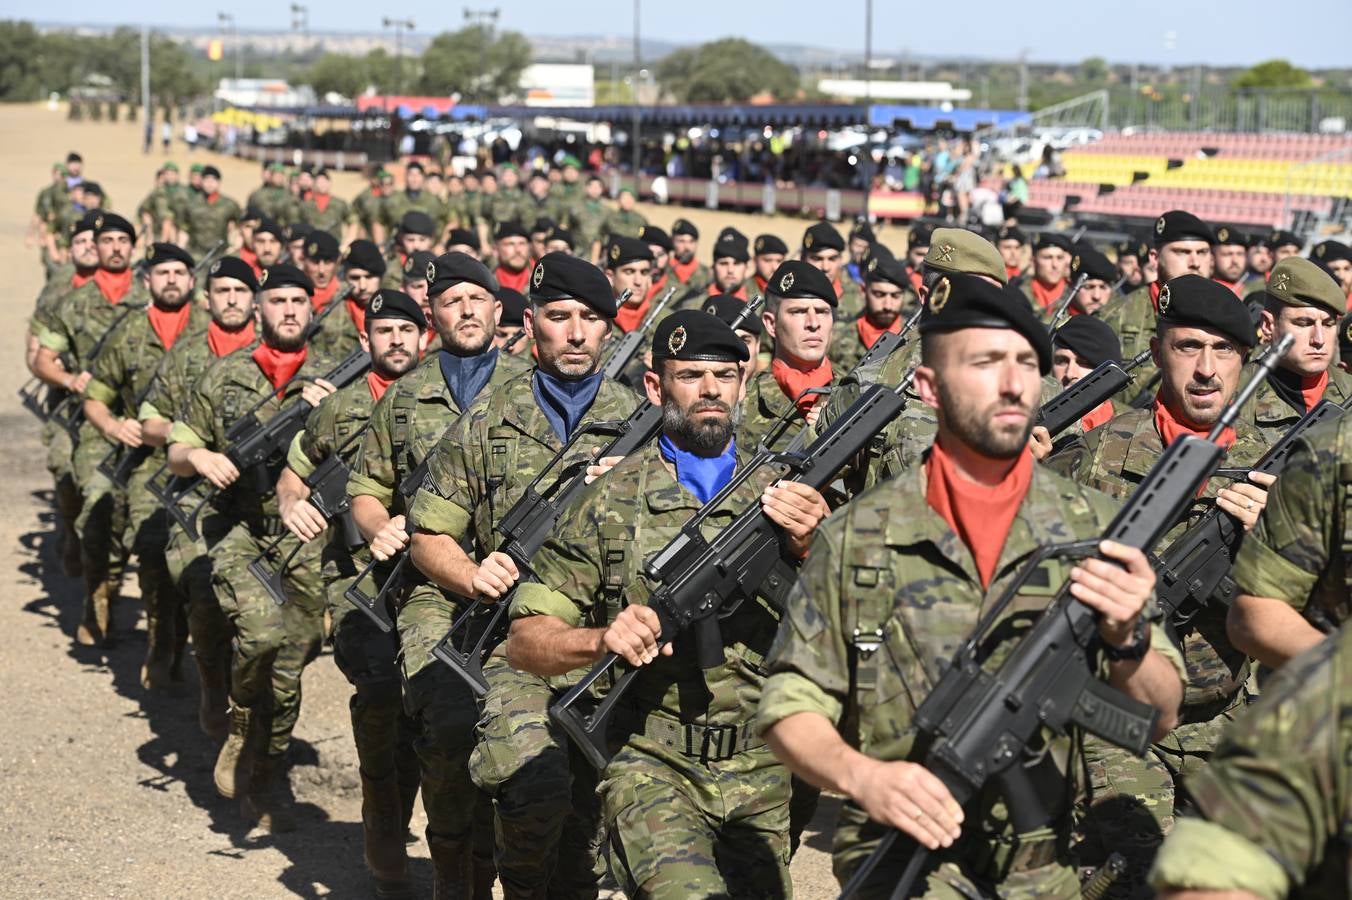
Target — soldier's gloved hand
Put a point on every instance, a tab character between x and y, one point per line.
634	636
126	431
316	390
301	518
1040	442
796	508
76	384
214	467
1118	588
1246	501
497	573
908	797
390	539
601	467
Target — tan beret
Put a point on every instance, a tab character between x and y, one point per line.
960	250
1299	282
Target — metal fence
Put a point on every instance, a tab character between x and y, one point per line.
1311	111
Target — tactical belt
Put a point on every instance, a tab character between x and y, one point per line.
995	857
707	743
1193	713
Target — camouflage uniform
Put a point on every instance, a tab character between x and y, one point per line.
765	403
1132	799
1133	319
207	223
400	203
275	203
272	644
331	218
887	593
566	197
698	283
1273	416
623	224
587	222
1271	810
847	346
707	823
849	300
367	207
336	334
122	372
508	205
158	205
478	471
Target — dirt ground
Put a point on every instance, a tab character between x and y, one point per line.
105	789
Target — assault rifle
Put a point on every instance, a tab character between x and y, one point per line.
376	608
1077	401
627	347
69	413
700	581
977	726
120	461
1055	321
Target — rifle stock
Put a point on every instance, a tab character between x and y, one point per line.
627	347
376	608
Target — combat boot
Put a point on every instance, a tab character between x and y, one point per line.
213	703
235	762
485	873
383	836
72	561
155	674
451	869
96	629
267	798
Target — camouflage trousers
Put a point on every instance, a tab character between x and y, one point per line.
61	463
148	537
272	644
1133	800
684	828
547	819
1037	866
188	562
102	522
446	713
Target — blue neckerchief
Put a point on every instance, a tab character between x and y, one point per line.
703	476
467	375
564	403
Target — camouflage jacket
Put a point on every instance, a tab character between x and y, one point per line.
58	286
175	376
130	358
483	463
847	346
587	222
887	594
849	299
399	203
623	224
1114	458
1270	812
276	203
507	205
80	320
331	219
367	207
158	205
763	406
1133	318
209	223
591	567
1273	416
1299	549
336	333
699	280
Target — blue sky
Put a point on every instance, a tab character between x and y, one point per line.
1308	32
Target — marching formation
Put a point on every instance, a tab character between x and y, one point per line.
1034	558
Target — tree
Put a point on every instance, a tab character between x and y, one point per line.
727	70
337	73
1094	69
474	62
1275	73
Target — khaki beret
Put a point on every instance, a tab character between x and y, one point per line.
1299	282
960	250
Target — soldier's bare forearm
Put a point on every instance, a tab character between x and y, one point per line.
1269	630
546	645
369	514
1206	895
1153	680
180	461
155	432
48	369
812	749
102	418
441	558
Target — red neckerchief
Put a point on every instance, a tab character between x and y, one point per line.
1155	297
357	312
740	293
1312	389
77	280
916	281
657	287
113	285
1236	286
761	283
1012	272
1170	428
683	271
869	333
378	384
1047	296
224	342
251	258
279	365
1097	416
323	295
515	280
321	201
979	514
628	317
212	198
794	381
839	286
169	323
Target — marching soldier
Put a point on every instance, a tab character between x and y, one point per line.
1013	246
211	217
338	334
1097	289
685	265
629	265
770	251
272	199
397	204
415	231
822	248
887	293
326	212
1051	266
265	247
1230	260
367	209
625	221
320	265
659	242
729	309
588	219
1079	347
511	249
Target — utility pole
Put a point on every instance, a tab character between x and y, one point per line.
300	19
145	90
227	20
867	159
634	135
399	26
1023	81
486	20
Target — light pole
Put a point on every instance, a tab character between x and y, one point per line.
300	19
634	135
399	26
227	20
485	19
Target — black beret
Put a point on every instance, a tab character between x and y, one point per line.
211	170
1197	302
864	231
1142	252
543	225
693	334
562	276
414	166
1011	233
795	278
463	236
391	304
769	243
561	234
510	229
251	214
1229	235
415	267
623	250
268	226
1328	251
513	306
298	231
686	227
728	308
1052	239
321	246
655	236
415	221
822	237
86	223
1181	225
1345	337
1089	337
285	275
1090	262
106	222
959	301
881	265
91	187
165	252
450	269
364	254
1282	239
1126	247
731	243
920	236
72	156
236	268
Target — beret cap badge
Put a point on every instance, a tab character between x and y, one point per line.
215	267
376	303
1164	299
615	251
1075	263
945	253
786	283
939	296
263	279
1160	225
1282	282
538	278
677	340
807	240
431	271
1223	235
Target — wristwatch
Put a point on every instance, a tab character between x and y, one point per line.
1134	651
